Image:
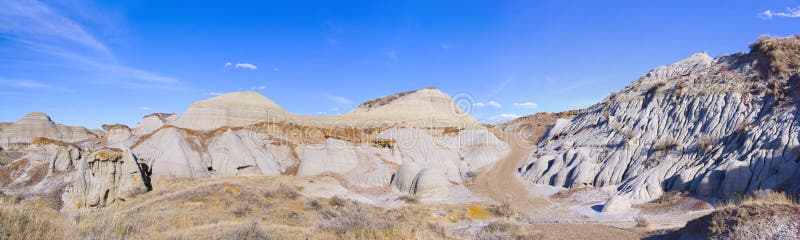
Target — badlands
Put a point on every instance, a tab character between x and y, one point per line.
702	148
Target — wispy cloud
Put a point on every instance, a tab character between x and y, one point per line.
338	99
492	104
144	108
35	26
35	19
214	93
789	13
501	86
29	84
503	117
575	85
262	87
526	105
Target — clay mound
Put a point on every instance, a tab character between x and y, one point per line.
427	107
232	109
432	184
405	176
37	124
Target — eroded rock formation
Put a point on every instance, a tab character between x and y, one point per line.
710	126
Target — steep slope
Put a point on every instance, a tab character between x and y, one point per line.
711	126
37	124
231	109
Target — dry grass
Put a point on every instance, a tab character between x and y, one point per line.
505	230
29	220
762	215
503	209
666	144
45	141
782	55
264	207
706	143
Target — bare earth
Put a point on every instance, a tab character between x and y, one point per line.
502	184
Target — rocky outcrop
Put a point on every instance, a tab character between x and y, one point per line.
709	126
106	176
230	110
117	133
173	152
153	122
37	124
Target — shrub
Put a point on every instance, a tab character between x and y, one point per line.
408	199
782	54
706	143
502	210
284	191
668	198
252	230
666	144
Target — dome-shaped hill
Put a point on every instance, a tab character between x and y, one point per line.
231	109
38	124
427	107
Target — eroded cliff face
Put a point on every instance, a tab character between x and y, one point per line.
710	126
106	176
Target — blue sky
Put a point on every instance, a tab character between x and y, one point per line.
89	63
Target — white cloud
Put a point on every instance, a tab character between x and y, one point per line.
338	99
526	105
145	108
503	117
214	93
789	13
321	113
262	87
492	104
246	66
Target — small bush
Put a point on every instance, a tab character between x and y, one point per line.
782	55
241	210
666	144
668	198
283	190
706	143
408	199
502	210
338	201
252	230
